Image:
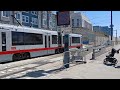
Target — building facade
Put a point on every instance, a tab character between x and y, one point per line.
105	29
18	18
54	22
80	20
6	18
36	19
39	19
30	18
50	21
44	19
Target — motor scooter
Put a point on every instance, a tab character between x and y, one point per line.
110	58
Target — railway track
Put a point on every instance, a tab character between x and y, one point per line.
46	57
8	71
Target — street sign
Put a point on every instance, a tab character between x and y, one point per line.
63	18
66	30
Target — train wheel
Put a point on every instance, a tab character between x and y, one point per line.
17	57
61	50
26	55
56	51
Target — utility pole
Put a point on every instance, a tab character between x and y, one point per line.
111	28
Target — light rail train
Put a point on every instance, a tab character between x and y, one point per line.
17	42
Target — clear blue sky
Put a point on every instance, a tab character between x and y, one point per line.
103	18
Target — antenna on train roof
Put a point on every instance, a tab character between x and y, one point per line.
16	20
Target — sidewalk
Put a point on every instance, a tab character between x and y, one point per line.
94	69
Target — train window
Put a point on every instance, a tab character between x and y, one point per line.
33	39
3	38
29	40
17	38
20	38
75	39
38	38
54	39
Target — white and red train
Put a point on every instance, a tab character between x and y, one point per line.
18	42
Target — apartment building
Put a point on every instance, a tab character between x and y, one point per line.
37	19
44	19
6	18
30	18
80	20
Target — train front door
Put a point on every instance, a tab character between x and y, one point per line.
49	41
3	41
45	41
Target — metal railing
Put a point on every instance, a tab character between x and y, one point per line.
76	55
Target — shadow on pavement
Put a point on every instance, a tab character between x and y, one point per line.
40	73
35	74
112	65
66	78
108	64
117	67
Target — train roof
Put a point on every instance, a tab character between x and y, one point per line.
31	29
75	35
